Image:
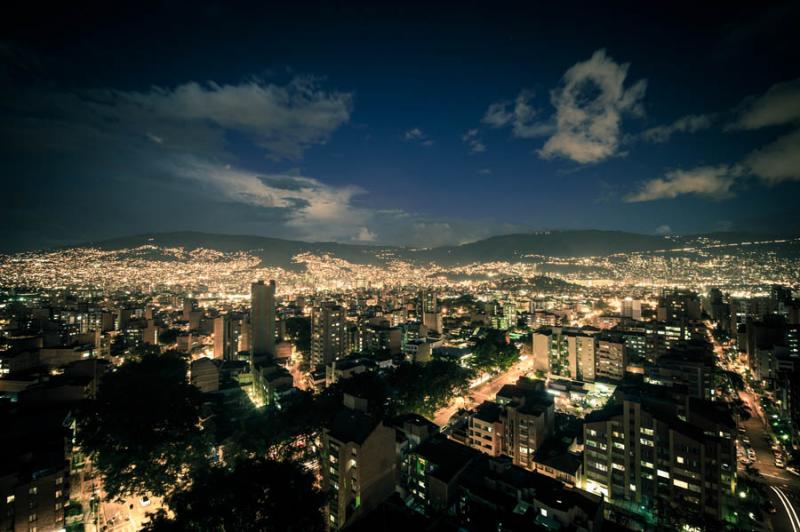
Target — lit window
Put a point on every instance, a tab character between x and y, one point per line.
680	483
662	473
679	459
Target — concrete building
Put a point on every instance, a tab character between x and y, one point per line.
632	308
565	351
262	320
485	432
610	357
344	368
328	334
224	342
419	351
205	374
515	425
497	495
690	364
34	479
659	454
527	421
678	305
358	465
430	474
272	384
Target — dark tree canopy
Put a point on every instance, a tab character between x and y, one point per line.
494	352
143	430
423	389
255	495
298	328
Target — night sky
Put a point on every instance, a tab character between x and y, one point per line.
412	124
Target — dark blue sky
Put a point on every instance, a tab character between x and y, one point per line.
414	124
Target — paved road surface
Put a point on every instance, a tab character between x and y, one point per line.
483	392
782	485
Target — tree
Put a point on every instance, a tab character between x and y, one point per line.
424	389
298	328
170	336
143	430
736	380
254	495
494	353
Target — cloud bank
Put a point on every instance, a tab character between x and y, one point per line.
772	164
588	107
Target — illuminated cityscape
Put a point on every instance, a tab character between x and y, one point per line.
574	307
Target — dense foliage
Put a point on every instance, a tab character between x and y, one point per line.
424	389
494	352
143	430
253	495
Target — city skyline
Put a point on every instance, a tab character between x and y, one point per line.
397	125
400	266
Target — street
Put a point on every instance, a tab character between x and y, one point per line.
783	486
484	391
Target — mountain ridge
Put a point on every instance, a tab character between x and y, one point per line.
510	247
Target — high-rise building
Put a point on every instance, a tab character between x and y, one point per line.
358	457
632	308
565	351
224	342
689	364
678	305
516	424
328	334
541	340
262	319
205	374
650	453
151	333
610	357
428	301
189	305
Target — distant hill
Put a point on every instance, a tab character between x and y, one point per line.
514	247
588	243
272	251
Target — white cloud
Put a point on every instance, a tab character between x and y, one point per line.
365	235
316	210
520	115
779	105
284	120
687	124
473	141
663	230
418	136
777	162
589	106
708	181
155	138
